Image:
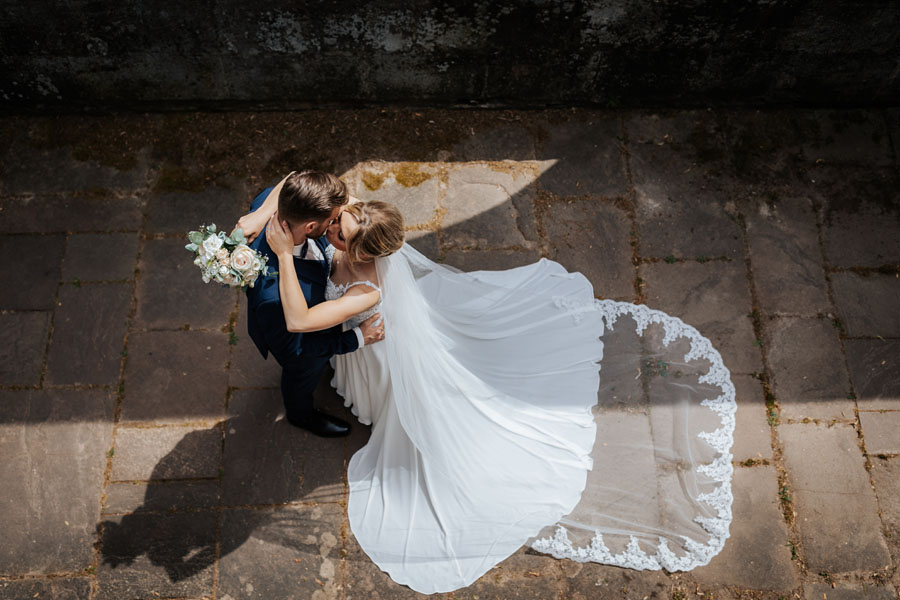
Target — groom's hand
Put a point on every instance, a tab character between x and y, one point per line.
371	332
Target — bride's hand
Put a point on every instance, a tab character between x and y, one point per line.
251	224
280	239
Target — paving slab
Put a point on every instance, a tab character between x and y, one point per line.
785	254
684	203
23	339
414	188
147	556
507	141
150	453
867	304
91	211
593	238
757	555
100	257
282	553
837	514
29	282
590	581
526	574
40	170
490	260
875	372
882	431
861	214
247	367
766	145
695	173
133	496
89	333
425	241
269	461
714	297
51	441
849	591
175	376
588	156
46	589
182	211
752	435
845	136
165	266
886	477
489	207
808	374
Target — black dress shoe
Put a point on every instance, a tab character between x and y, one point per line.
321	424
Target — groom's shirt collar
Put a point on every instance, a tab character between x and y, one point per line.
312	251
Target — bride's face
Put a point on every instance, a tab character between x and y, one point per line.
342	228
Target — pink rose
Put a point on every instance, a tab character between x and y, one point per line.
242	258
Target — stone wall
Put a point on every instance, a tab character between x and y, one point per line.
225	54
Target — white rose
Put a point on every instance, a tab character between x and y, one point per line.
242	258
223	270
212	244
222	255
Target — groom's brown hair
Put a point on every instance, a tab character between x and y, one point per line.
311	196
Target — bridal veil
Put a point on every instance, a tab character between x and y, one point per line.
522	410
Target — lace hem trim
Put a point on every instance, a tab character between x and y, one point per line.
720	470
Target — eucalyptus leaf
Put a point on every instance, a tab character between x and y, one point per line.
196	237
238	235
211	228
192	247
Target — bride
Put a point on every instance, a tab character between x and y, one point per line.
511	407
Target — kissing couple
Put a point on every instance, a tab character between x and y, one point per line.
504	405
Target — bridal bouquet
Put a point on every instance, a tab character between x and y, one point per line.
226	259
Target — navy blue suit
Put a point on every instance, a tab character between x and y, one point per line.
302	356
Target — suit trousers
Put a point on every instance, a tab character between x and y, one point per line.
299	378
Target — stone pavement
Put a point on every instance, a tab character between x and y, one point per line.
141	455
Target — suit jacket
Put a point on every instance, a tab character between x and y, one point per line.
265	314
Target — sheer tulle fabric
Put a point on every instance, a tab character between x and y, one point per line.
487	421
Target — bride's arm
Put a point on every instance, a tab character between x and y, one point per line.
298	317
253	223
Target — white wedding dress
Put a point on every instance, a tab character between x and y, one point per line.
511	407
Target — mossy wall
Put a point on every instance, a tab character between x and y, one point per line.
222	54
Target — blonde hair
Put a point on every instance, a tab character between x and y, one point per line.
380	230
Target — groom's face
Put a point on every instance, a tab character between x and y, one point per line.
312	229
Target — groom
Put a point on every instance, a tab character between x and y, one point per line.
308	202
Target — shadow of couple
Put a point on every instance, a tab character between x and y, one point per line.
192	511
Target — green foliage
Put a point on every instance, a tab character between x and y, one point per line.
785	495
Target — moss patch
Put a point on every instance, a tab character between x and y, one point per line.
410	175
373	181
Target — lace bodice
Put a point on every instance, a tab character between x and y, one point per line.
333	291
